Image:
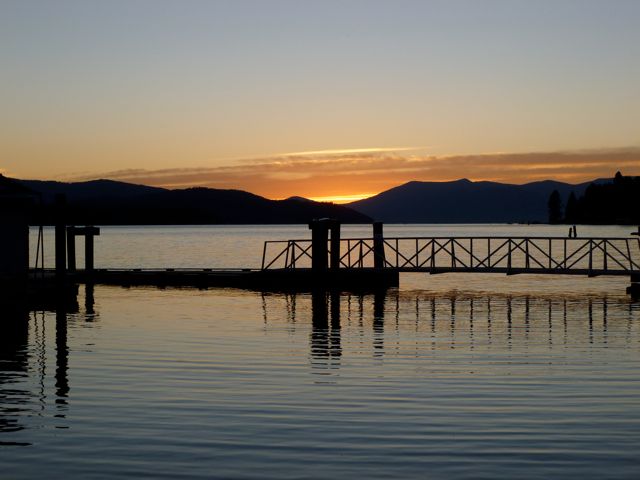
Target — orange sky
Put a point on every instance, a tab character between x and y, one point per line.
343	176
367	95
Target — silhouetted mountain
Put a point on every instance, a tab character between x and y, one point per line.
464	201
78	191
299	199
106	202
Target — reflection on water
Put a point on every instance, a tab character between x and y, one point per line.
229	384
25	362
325	332
454	322
14	362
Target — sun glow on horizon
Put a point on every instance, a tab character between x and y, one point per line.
340	199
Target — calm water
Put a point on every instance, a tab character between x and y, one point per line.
447	377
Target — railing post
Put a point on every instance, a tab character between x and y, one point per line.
590	256
509	258
286	256
527	262
453	253
549	254
471	252
293	254
605	253
335	244
264	254
378	245
433	253
397	252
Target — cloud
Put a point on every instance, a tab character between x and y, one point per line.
353	172
346	151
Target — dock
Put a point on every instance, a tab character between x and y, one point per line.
327	261
300	280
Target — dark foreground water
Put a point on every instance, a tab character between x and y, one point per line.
153	383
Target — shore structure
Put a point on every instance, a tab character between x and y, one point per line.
325	261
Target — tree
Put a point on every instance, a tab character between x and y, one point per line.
618	179
555	207
571	211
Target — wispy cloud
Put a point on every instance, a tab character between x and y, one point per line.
347	151
359	171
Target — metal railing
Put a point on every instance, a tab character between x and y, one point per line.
511	255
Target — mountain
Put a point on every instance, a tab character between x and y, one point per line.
80	191
464	201
299	199
107	202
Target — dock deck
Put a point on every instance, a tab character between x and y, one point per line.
301	279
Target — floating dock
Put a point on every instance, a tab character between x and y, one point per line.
303	279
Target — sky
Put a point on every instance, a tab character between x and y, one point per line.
325	99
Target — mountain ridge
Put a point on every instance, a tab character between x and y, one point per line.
106	201
109	202
465	201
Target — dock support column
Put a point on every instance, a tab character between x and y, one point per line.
88	249
60	237
319	244
88	233
378	245
71	249
15	208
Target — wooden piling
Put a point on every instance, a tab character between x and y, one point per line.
71	249
378	245
88	233
88	252
60	237
319	244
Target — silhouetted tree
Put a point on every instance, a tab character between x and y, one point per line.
571	210
555	207
608	203
618	179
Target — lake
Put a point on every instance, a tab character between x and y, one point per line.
449	376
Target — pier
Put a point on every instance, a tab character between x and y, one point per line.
327	261
586	256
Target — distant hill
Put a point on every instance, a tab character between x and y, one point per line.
79	191
299	199
464	201
107	202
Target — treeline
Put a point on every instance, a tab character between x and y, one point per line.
616	202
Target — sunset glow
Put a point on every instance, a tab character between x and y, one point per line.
345	177
359	99
342	198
